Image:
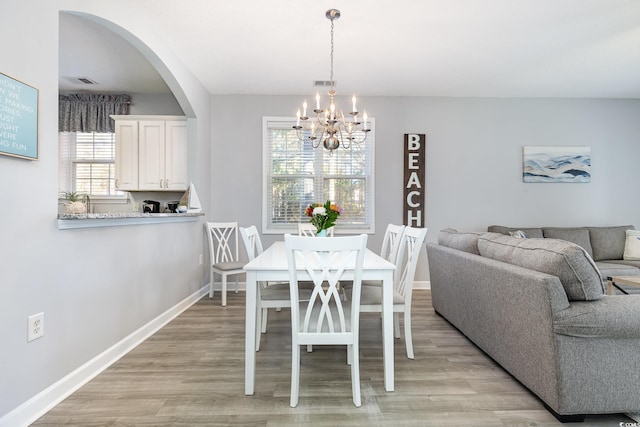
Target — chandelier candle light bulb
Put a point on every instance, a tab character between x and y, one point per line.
330	126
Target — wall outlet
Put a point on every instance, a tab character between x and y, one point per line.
200	260
36	327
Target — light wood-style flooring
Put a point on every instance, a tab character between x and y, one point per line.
191	373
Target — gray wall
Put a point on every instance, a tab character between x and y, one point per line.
155	103
95	286
474	160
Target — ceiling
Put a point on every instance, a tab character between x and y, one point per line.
453	48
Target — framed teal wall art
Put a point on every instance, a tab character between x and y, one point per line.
18	118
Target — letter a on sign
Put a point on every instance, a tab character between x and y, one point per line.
414	175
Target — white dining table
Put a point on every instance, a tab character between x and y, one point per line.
272	265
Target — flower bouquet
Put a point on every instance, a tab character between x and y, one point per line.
322	216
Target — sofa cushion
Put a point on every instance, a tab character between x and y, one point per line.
569	262
632	246
627	263
608	242
609	318
579	236
462	241
529	232
612	268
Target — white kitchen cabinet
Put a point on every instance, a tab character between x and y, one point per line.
126	155
151	153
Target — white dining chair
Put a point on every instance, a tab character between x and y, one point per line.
406	261
270	295
325	319
391	242
223	254
389	251
309	230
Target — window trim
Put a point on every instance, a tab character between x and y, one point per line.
293	229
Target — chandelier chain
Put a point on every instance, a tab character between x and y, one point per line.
331	73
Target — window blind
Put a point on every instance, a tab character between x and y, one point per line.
87	163
296	175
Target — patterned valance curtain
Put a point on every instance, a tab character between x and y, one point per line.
89	112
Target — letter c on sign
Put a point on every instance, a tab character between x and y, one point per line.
410	201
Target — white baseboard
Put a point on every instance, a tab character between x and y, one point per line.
40	404
423	284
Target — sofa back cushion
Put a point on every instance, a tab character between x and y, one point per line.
462	241
608	242
579	236
530	233
569	262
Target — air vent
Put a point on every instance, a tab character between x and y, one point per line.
81	80
323	83
87	81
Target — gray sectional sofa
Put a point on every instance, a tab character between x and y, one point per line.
537	306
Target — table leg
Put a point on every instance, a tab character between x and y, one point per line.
250	334
387	330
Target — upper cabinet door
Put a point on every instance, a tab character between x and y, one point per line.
151	145
176	155
126	155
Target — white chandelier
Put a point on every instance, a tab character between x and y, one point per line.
330	126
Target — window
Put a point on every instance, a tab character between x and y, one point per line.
296	175
87	164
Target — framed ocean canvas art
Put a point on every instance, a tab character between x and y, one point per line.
556	164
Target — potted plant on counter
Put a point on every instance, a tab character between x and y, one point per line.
76	203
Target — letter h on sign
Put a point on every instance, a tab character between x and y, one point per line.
414	174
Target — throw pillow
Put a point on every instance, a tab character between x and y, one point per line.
532	233
518	233
632	245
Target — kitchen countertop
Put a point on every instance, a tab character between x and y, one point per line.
69	220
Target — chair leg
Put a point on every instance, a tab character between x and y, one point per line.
407	334
295	374
265	314
396	325
355	374
237	283
211	283
224	290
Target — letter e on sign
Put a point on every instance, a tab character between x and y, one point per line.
414	175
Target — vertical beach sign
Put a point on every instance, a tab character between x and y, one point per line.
414	176
18	119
